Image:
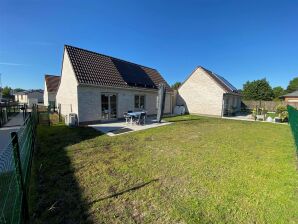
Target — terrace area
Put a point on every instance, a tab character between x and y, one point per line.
122	127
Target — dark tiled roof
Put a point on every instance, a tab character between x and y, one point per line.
221	81
97	69
25	92
52	82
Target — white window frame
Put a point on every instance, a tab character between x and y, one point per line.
139	101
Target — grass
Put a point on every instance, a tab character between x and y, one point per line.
272	115
10	197
196	170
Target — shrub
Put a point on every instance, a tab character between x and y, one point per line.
282	112
284	116
280	109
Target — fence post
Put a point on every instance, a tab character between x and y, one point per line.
20	179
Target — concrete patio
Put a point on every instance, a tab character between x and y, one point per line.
121	127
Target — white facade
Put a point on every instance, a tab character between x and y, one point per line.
48	96
89	100
85	100
67	95
29	97
21	97
201	94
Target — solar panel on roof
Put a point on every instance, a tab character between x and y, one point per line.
226	82
133	74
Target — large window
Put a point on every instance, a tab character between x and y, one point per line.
139	102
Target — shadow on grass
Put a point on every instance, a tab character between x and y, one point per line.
55	195
136	187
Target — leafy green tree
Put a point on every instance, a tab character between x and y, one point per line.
19	90
6	92
176	85
293	85
278	91
257	90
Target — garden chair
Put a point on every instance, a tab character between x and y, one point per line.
141	119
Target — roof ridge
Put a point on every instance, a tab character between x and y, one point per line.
52	75
66	45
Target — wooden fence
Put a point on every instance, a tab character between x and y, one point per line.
268	105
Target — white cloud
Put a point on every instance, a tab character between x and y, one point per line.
40	43
11	64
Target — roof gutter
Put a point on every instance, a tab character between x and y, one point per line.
122	88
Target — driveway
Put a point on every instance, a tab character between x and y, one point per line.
13	124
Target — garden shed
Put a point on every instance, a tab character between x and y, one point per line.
207	93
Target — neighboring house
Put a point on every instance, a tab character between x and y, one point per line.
50	89
29	97
207	93
97	87
291	98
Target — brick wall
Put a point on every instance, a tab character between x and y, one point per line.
89	100
67	92
201	94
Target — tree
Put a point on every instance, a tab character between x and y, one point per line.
293	85
176	85
18	90
278	91
257	90
6	92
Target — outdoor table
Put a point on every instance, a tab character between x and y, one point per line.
134	115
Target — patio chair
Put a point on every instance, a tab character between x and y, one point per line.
126	116
141	119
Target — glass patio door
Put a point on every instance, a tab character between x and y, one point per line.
108	106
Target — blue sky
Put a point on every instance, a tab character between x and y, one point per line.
240	40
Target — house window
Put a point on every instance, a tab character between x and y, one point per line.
52	103
139	102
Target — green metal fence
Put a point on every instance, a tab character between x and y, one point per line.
293	120
15	169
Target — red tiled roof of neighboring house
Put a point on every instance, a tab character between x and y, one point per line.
92	68
52	82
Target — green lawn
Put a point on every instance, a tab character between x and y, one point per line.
272	115
196	170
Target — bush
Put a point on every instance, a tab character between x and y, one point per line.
282	112
280	109
284	116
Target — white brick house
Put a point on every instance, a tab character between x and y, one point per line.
98	87
207	93
50	89
29	97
